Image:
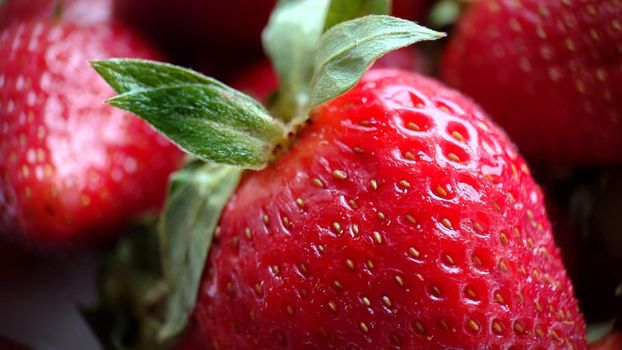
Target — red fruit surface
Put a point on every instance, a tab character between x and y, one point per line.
72	167
402	217
78	11
548	71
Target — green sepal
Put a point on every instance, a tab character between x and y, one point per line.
349	48
345	10
130	291
290	40
203	116
196	198
149	282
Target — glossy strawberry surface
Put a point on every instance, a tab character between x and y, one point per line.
72	167
548	71
402	217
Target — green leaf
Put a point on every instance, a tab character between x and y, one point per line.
292	37
349	48
203	116
130	291
344	10
148	285
195	201
290	40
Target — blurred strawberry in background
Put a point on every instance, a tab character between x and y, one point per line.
549	72
72	168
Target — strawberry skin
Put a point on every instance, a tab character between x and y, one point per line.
402	217
71	167
549	72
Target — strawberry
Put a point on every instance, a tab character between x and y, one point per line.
379	210
71	167
548	71
400	217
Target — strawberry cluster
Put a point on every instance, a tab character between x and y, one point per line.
336	188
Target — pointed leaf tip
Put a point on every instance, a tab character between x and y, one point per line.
349	48
196	198
203	116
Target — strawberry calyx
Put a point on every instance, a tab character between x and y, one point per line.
320	49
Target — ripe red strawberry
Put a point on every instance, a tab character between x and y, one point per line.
80	11
402	217
548	71
72	167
